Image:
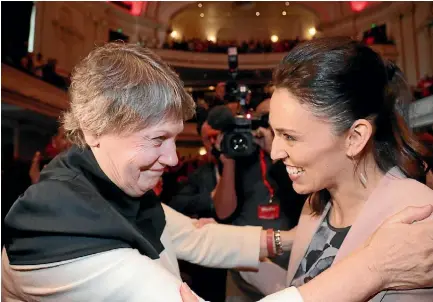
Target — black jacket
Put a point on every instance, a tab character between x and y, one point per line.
75	210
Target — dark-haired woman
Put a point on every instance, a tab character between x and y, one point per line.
339	129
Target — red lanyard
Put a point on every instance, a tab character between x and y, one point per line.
264	170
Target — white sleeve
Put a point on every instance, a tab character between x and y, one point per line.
116	275
290	294
269	279
214	245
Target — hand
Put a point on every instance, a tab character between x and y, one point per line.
264	137
186	294
35	171
204	221
401	250
226	161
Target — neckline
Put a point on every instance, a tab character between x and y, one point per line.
335	229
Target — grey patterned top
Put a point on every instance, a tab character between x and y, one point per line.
321	252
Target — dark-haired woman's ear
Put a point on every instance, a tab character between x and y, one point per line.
358	137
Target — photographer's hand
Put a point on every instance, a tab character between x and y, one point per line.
263	137
35	171
227	161
224	194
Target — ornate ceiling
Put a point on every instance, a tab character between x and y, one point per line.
218	19
326	11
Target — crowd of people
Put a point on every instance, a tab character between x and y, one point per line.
424	87
36	65
43	69
221	46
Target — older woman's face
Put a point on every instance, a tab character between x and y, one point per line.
315	158
135	162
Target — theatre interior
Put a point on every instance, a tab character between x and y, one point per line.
225	53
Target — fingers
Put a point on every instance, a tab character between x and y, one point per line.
258	133
412	214
186	293
36	158
258	141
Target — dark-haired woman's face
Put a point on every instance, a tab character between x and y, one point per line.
314	156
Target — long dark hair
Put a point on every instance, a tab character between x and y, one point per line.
343	80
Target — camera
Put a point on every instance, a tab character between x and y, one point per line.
238	139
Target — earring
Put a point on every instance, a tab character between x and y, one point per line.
361	175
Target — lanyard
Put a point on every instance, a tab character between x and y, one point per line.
263	168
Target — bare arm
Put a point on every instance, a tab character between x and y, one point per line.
287	238
224	195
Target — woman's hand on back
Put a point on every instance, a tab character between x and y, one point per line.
402	249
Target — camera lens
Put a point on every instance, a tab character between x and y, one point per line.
239	143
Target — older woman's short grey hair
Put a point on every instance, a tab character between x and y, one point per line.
121	88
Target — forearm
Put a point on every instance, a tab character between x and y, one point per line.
287	238
224	195
351	280
214	245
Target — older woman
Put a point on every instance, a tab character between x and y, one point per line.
92	230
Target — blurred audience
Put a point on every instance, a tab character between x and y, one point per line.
57	144
39	67
220	46
424	87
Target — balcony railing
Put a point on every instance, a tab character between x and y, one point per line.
178	58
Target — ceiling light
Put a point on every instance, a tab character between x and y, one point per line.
202	151
287	3
257	14
200	5
284	13
312	31
202	15
274	38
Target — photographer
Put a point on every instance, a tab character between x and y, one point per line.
250	189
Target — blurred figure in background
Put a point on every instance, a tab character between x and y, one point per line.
57	144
